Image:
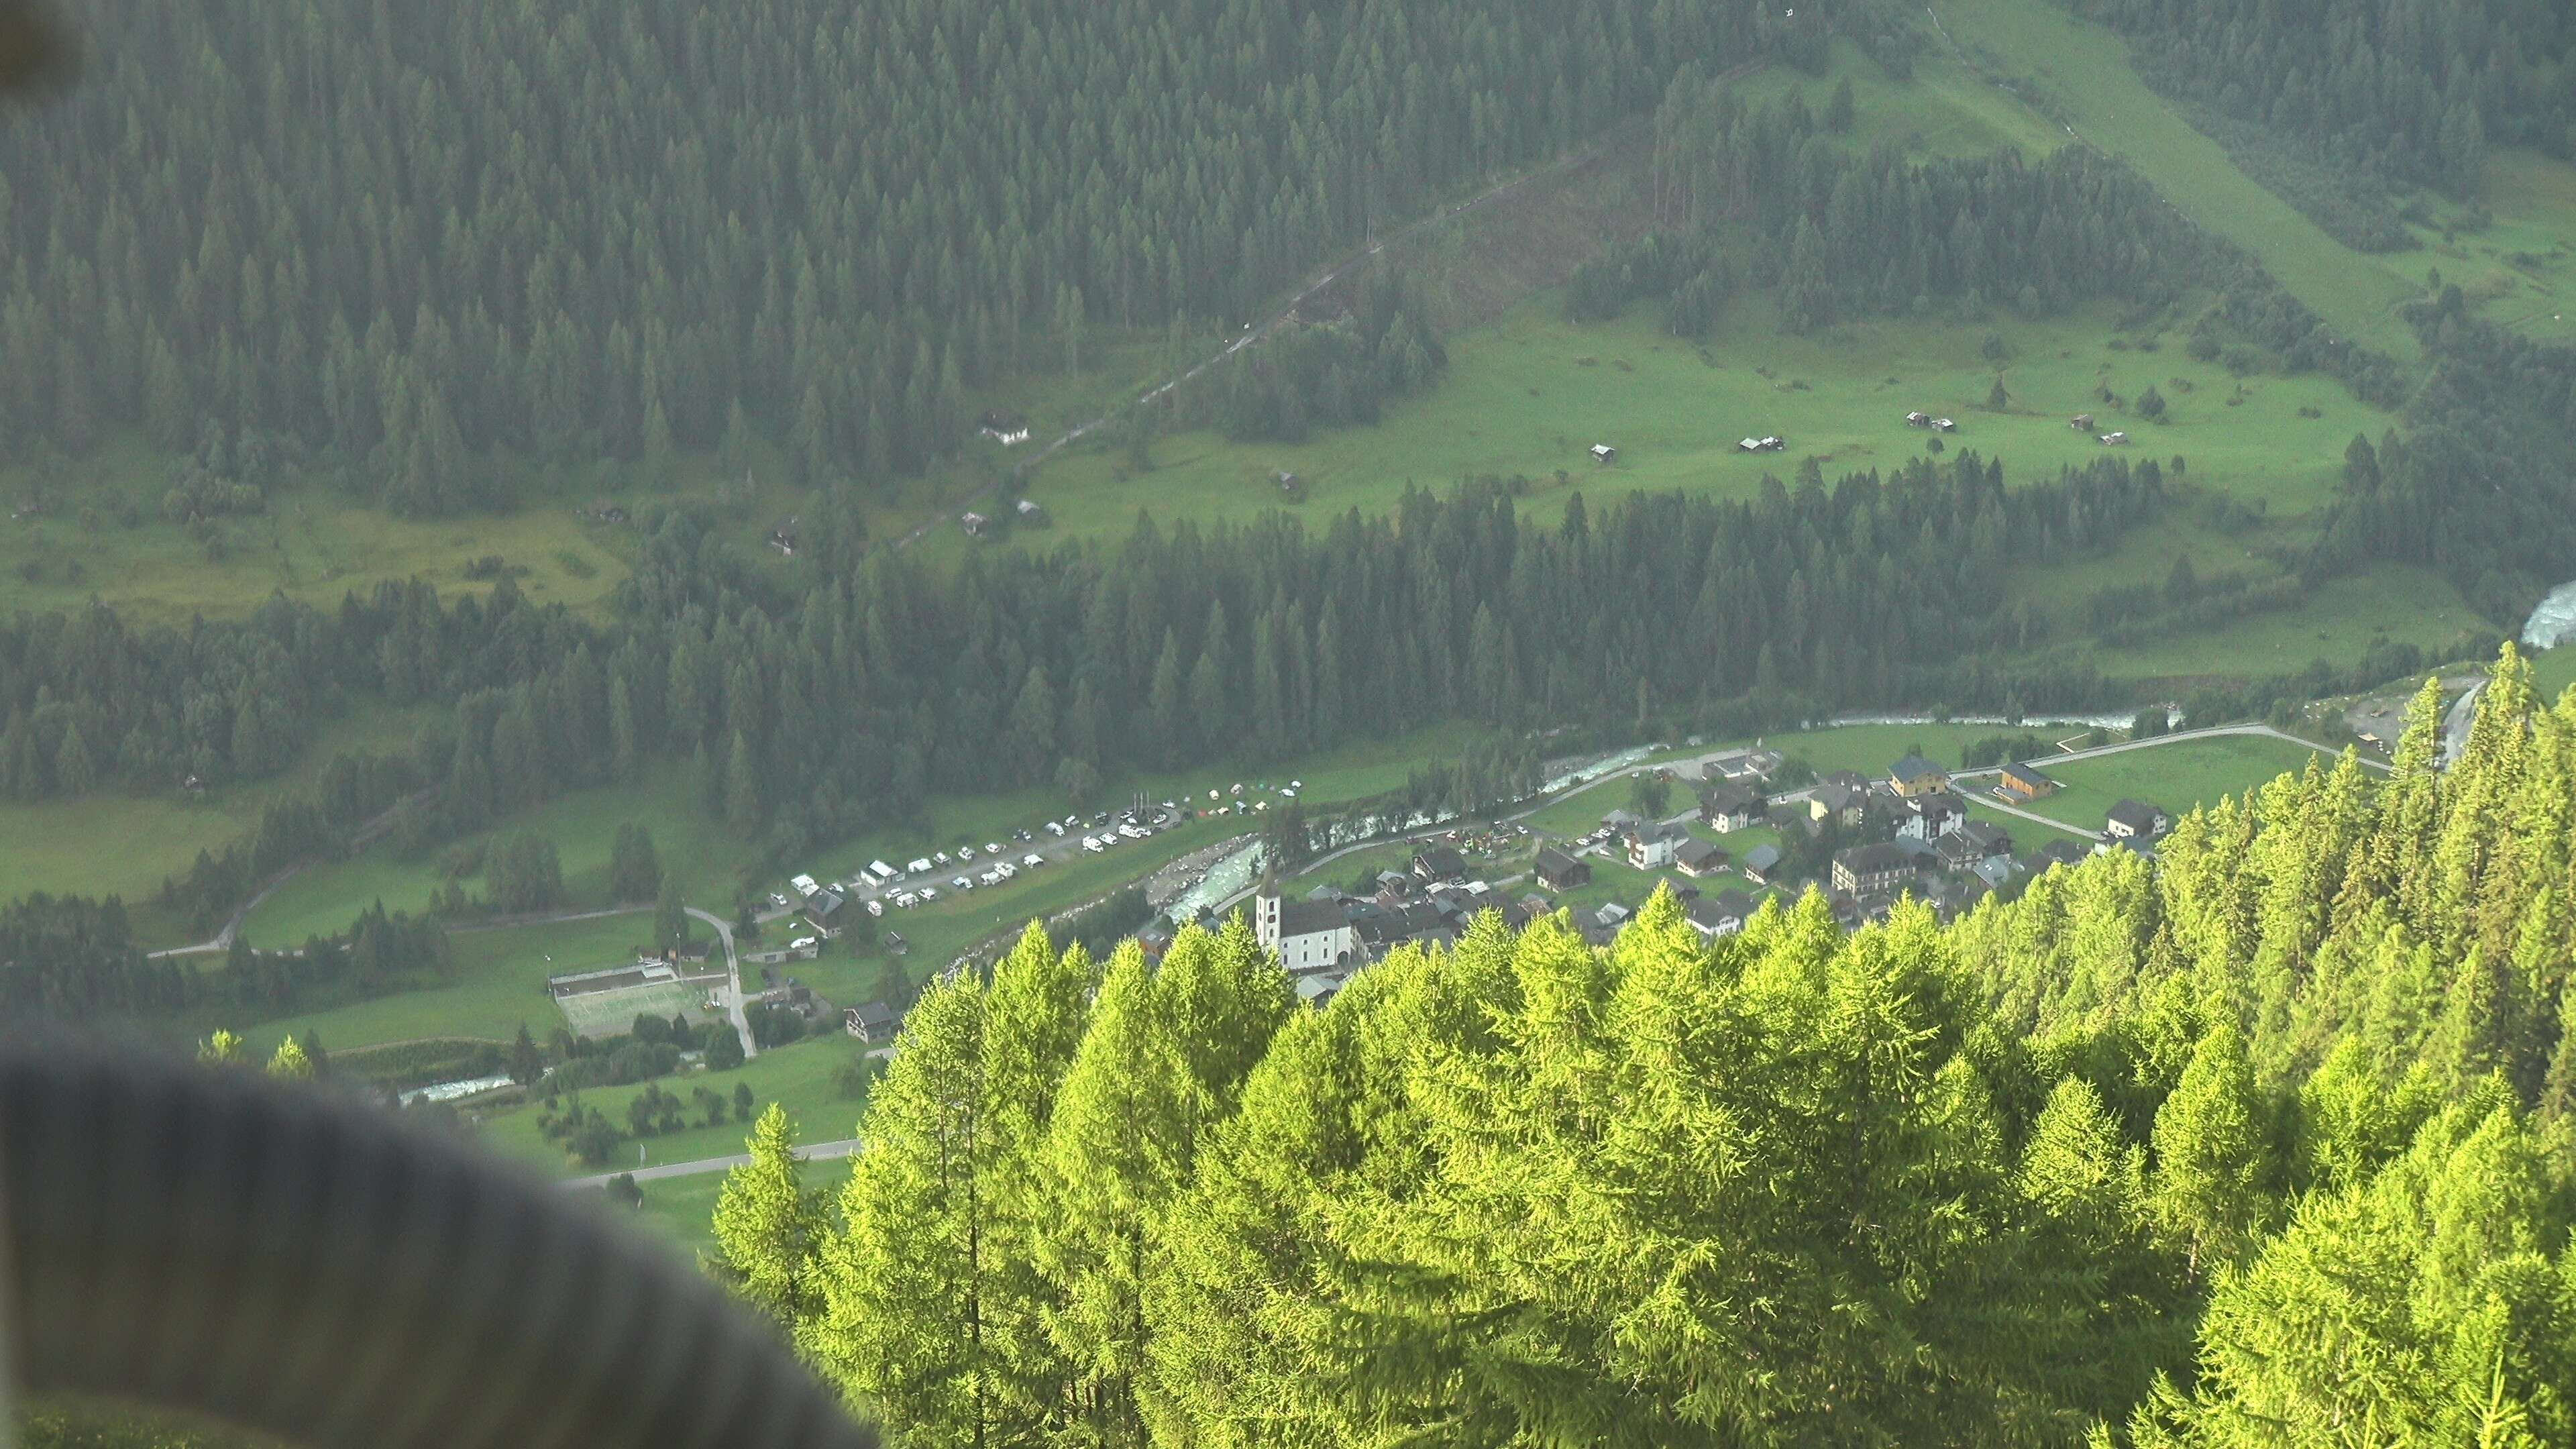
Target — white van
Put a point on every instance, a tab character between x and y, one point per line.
1091	843
876	908
1032	862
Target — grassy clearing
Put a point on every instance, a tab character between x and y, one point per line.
583	827
1529	393
2394	601
2176	776
121	843
2554	671
2080	73
499	982
798	1077
1946	110
2516	270
679	1212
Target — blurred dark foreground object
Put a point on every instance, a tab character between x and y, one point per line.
36	52
265	1255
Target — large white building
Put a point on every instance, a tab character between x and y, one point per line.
1308	935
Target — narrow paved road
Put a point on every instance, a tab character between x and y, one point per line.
822	1151
733	970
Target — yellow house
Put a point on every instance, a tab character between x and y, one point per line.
1915	775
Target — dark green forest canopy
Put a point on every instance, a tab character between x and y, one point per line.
410	233
2263	1143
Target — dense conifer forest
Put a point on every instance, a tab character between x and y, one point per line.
2268	1143
398	238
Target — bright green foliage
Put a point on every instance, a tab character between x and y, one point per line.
290	1063
765	1224
223	1049
2266	1142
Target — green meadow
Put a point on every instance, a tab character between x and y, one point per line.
2176	777
498	983
1530	393
798	1076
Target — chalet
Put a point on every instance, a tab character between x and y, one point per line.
1612	914
1866	870
1729	808
1918	420
1767	443
1559	871
1317	989
1930	817
1286	480
1973	844
1944	425
1619	822
2025	782
1709	916
1008	429
2081	422
2115	440
1695	858
1838	801
2055	852
1760	863
1440	863
872	1023
975	524
1915	775
2135	819
1307	935
1650	847
1028	510
1604	454
2131	844
821	906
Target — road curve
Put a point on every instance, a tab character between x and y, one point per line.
733	971
821	1151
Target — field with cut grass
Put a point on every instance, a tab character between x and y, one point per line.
1529	393
2079	74
499	981
124	842
2177	777
2397	602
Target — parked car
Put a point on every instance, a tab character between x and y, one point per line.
876	908
1091	843
907	901
1055	827
965	852
930	893
801	943
942	857
776	899
992	847
1032	862
962	883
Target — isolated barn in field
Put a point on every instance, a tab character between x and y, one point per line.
2115	440
975	524
1944	425
2081	422
1603	453
1918	420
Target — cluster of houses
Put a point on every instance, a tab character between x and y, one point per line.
1008	429
1913	831
1326	937
1921	841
